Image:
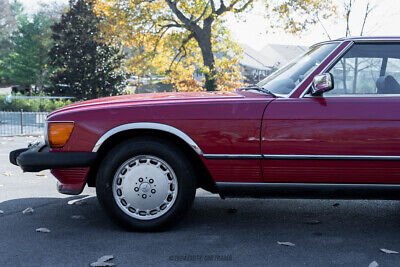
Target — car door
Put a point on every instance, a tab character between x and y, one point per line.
350	134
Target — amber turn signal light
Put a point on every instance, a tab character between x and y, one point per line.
58	133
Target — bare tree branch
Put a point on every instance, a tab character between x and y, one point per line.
323	27
173	6
347	8
172	25
181	48
233	3
368	10
241	9
221	7
204	11
161	35
212	6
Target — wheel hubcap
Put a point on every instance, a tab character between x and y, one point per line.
145	187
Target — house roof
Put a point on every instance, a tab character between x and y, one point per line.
282	54
253	58
270	55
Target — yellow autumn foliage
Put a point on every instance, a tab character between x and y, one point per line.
170	37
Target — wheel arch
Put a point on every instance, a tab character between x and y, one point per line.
148	126
163	131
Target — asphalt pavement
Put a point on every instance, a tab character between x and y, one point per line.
231	232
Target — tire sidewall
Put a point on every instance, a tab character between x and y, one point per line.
166	151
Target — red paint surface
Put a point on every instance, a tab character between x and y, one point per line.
218	122
72	179
329	171
223	170
332	126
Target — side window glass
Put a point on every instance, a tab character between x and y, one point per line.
367	69
393	68
355	76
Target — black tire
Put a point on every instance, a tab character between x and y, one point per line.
156	147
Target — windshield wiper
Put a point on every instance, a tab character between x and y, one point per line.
259	88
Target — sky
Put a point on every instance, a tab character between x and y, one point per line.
253	30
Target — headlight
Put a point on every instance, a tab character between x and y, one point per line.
58	133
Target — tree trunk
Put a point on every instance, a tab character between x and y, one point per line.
203	38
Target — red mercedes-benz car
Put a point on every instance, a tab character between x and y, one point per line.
325	125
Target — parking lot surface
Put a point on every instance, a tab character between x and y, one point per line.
216	232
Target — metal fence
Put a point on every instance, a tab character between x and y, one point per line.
14	123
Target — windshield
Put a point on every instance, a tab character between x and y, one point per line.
284	80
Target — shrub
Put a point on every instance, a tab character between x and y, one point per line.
33	105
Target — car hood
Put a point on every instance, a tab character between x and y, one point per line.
152	98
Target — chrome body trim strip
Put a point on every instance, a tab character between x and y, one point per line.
363	39
327	42
330	157
148	126
232	156
301	157
304	184
383	39
375	40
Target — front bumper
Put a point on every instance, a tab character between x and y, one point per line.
38	157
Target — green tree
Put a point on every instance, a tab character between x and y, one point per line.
26	61
8	24
28	57
85	66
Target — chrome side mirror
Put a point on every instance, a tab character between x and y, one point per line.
322	83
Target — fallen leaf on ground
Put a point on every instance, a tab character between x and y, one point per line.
80	203
82	200
313	222
41	174
388	251
1	212
373	264
77	217
43	230
105	258
7	173
101	263
288	244
28	211
336	204
232	210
